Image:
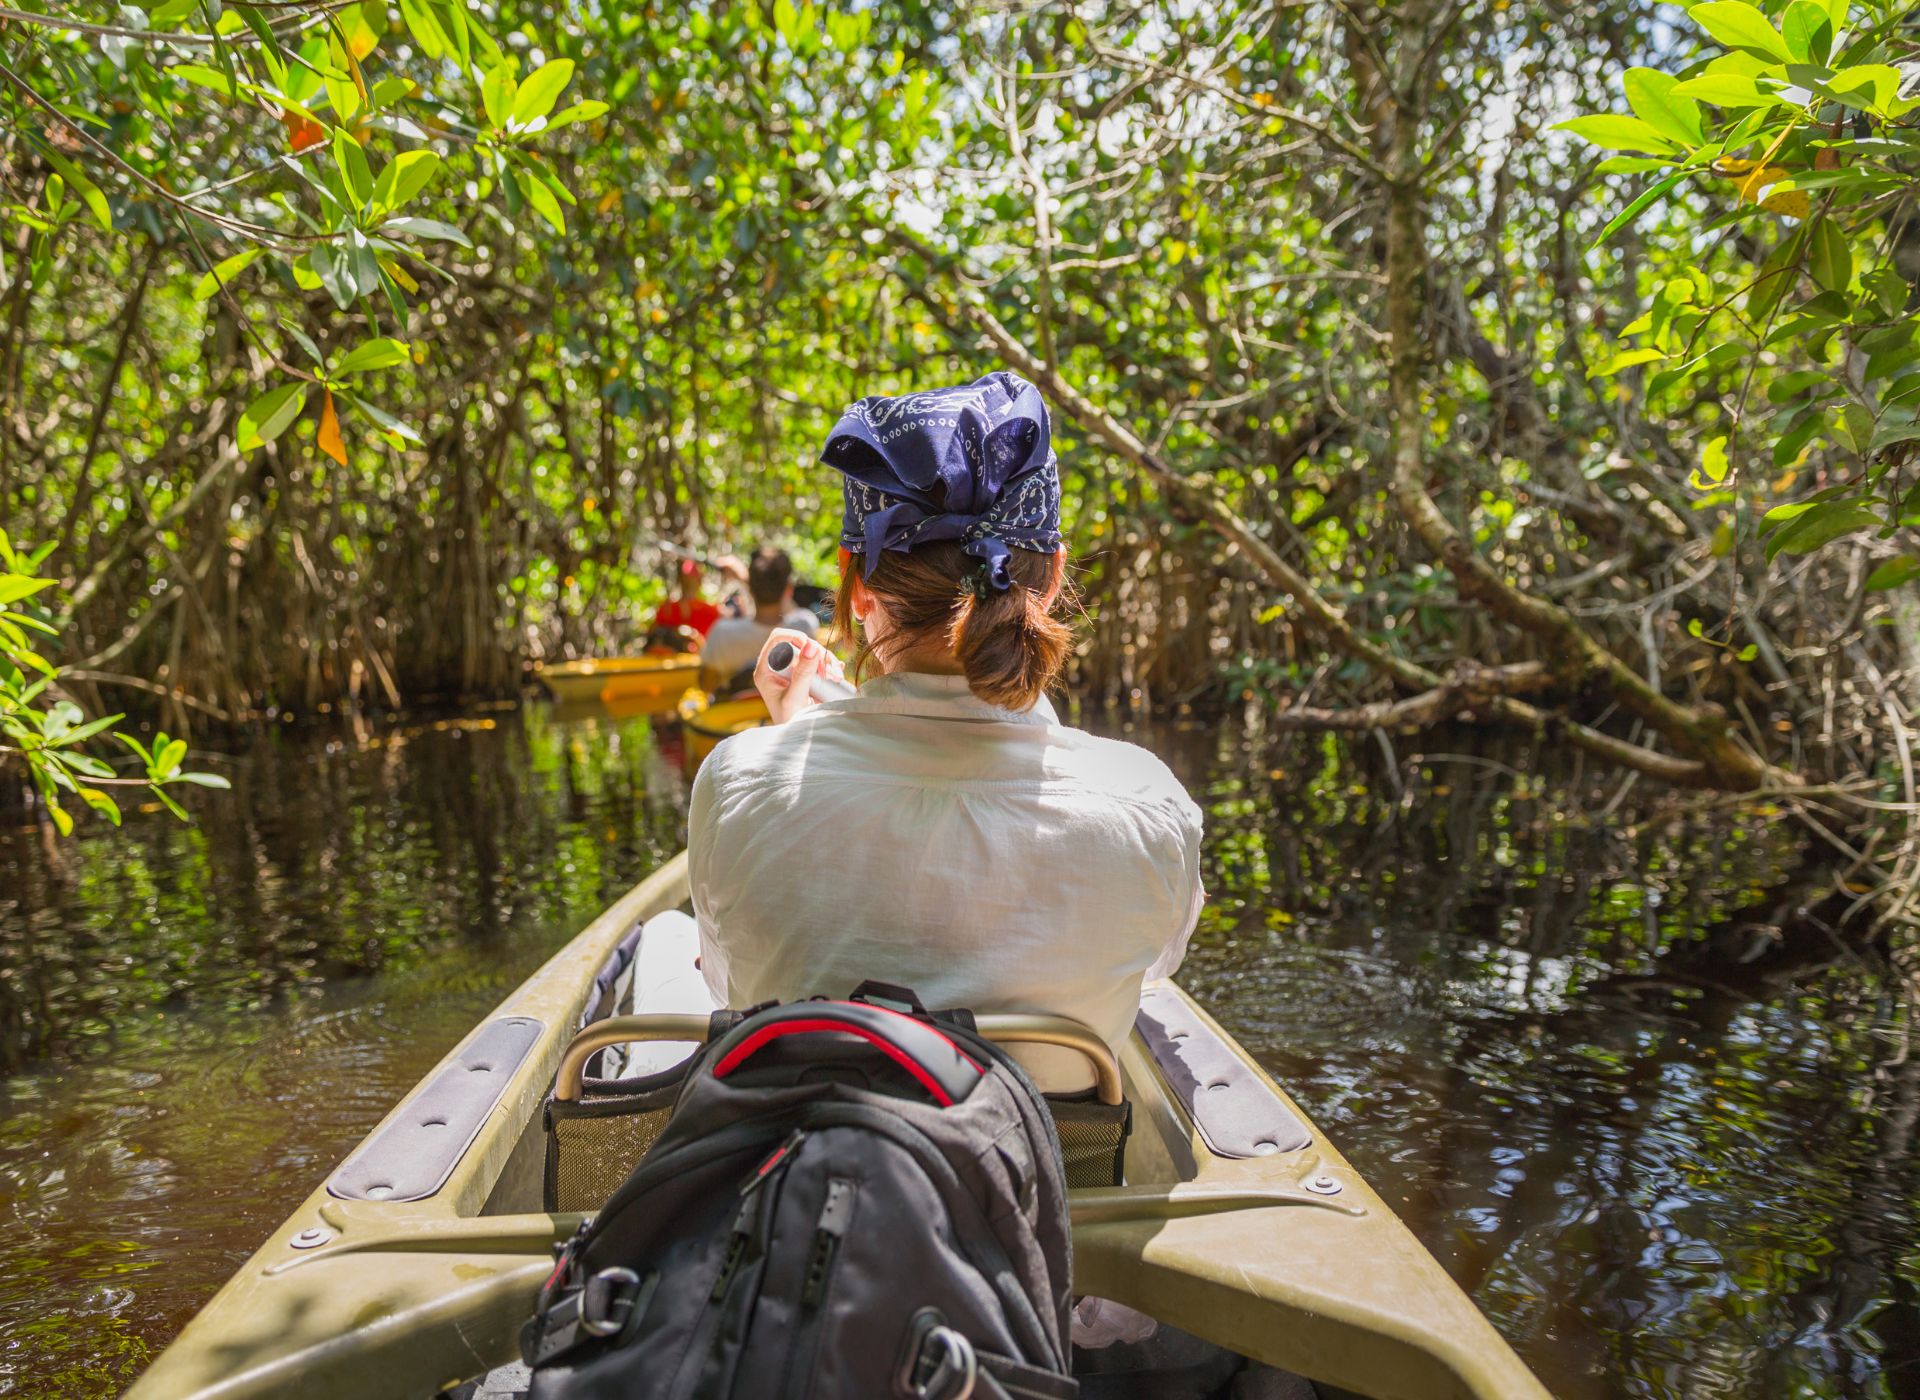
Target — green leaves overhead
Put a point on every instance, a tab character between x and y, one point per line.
362	127
1810	347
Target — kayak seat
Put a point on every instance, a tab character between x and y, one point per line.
598	1129
595	1140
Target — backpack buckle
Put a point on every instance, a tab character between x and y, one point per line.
940	1362
606	1301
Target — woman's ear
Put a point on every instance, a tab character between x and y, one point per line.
862	599
1059	577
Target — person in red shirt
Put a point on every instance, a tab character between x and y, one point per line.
689	608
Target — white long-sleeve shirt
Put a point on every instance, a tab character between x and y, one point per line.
915	834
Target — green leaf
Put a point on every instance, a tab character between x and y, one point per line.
205	780
1820	525
224	272
303	340
14	587
1807	30
1729	90
1614	132
342	91
268	416
1867	85
354	173
372	354
1893	431
497	94
101	803
540	91
1713	461
543	200
578	112
77	181
81	733
1650	195
1830	257
424	27
1650	93
199	75
1624	359
427	228
405	176
1741	26
1894	572
398	432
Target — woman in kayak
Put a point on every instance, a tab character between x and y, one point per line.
942	829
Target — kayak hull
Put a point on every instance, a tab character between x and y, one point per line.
1289	1258
629	679
705	721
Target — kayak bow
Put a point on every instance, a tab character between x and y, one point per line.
412	1267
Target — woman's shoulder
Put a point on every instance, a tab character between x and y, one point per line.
1118	768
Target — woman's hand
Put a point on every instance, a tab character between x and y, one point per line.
789	693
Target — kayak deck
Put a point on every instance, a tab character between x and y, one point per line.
413	1267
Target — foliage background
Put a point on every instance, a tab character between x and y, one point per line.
360	354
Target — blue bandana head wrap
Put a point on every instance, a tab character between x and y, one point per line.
973	463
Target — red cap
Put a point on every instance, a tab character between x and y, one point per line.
689	568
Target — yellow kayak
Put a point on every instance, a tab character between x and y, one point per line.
629	678
705	721
411	1268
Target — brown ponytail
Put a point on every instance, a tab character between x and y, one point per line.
1010	645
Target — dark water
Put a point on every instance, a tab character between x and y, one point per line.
1651	1113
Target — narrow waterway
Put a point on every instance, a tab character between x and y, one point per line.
1653	1117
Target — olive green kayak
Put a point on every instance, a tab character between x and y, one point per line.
411	1269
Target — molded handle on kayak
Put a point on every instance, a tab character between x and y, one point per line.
1001	1029
918	1048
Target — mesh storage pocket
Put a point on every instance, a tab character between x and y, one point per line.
1093	1139
593	1142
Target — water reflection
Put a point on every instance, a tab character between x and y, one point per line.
1614	1069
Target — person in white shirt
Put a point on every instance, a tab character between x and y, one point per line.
733	643
943	830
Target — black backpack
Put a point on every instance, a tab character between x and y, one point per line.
848	1203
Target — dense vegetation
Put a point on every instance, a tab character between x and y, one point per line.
360	353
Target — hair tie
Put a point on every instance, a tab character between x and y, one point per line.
977	583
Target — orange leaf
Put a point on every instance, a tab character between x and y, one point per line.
329	438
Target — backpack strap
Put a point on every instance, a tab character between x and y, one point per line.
893	996
946	1072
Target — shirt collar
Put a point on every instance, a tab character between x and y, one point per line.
937	697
